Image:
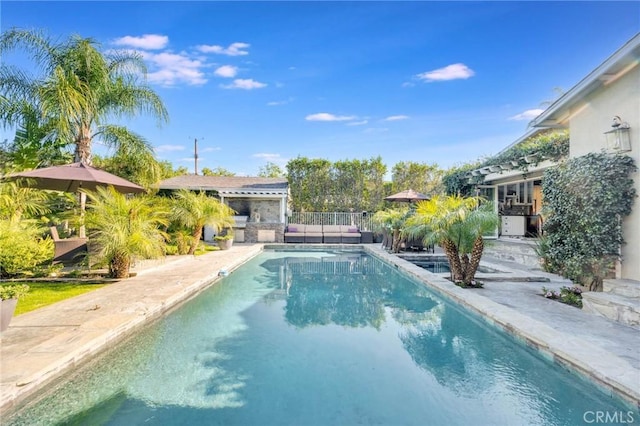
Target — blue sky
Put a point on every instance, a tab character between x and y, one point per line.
434	82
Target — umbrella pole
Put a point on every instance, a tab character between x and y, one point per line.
83	202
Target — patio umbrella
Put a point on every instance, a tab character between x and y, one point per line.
407	196
73	177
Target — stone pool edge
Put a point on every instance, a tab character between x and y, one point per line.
82	339
614	375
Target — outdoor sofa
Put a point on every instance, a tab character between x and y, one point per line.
328	234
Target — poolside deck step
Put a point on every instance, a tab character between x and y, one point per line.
522	252
623	309
622	287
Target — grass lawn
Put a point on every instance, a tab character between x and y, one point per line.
43	293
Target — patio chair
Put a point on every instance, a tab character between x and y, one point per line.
68	250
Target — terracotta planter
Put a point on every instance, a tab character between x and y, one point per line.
7	307
225	244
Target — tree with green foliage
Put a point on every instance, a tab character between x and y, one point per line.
309	183
218	171
18	202
125	228
421	177
349	185
586	200
30	147
457	225
80	89
392	221
197	210
271	170
167	171
456	180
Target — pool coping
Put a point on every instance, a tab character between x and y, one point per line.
612	374
27	367
39	347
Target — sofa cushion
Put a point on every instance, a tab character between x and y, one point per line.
313	229
331	229
295	228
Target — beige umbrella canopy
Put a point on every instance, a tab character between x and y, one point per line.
73	177
407	196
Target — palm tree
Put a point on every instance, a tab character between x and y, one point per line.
195	210
392	221
457	225
16	201
80	89
125	228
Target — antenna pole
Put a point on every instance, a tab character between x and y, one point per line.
195	155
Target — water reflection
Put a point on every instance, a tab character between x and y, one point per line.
346	289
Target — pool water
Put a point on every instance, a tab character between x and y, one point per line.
319	338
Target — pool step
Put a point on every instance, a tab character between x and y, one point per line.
620	301
522	252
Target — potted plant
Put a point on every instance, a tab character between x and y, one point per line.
225	239
9	295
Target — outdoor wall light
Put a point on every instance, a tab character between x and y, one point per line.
618	138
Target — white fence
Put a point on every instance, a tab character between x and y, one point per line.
362	220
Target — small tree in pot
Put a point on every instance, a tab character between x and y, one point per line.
225	239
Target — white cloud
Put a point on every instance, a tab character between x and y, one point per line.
277	103
245	84
529	114
169	148
450	72
376	130
169	69
267	156
396	118
211	149
147	41
234	49
325	116
228	71
358	123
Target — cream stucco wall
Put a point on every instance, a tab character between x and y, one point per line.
587	127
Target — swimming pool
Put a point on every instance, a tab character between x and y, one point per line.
319	338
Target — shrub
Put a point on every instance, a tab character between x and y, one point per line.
586	199
23	251
13	291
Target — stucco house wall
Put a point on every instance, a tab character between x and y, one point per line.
588	109
619	98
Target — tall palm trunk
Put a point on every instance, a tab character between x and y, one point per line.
476	255
196	239
451	250
395	245
83	145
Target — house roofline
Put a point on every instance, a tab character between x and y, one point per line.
620	62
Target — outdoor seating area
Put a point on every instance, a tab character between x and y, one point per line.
328	234
67	250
